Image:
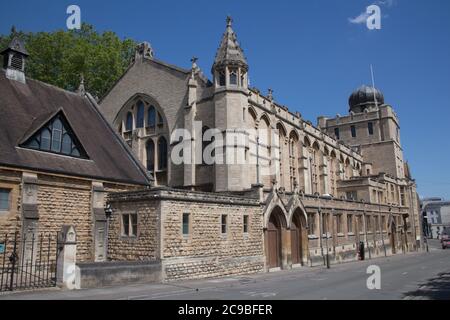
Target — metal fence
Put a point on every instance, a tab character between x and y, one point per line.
29	262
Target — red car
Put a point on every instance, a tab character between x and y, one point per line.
445	241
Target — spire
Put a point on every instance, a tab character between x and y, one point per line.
230	52
81	89
16	45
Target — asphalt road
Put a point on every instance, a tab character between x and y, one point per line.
410	276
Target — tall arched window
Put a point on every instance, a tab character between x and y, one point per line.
233	77
46	138
129	122
204	143
57	135
162	153
140	115
151	118
150	151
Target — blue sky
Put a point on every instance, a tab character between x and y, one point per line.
307	51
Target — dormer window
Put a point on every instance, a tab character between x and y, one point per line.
56	137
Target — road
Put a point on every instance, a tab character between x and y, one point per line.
409	276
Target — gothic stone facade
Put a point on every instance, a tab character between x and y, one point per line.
324	188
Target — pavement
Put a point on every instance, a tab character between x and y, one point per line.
404	276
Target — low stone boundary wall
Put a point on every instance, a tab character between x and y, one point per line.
102	274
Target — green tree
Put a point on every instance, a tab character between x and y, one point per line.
61	57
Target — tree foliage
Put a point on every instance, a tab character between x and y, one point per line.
61	57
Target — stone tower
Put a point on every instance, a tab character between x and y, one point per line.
373	128
229	71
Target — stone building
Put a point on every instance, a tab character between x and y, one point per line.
293	194
437	213
58	159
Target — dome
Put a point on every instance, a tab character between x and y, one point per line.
365	96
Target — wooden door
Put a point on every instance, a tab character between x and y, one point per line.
273	245
295	246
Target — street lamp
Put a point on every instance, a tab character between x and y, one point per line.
324	226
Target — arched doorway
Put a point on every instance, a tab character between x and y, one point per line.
298	238
273	238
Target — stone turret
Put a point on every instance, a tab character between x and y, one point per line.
230	103
230	65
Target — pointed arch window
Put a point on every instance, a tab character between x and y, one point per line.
233	77
222	79
129	122
162	154
150	150
204	144
56	137
140	115
151	117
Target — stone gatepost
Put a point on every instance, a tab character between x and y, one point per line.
30	215
100	226
67	258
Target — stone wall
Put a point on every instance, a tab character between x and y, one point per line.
146	245
204	252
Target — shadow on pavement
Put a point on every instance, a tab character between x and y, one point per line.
437	288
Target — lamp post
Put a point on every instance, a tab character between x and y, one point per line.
324	225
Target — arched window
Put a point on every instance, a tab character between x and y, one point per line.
233	77
162	153
57	128
222	81
151	118
129	123
140	115
150	151
204	143
46	138
66	144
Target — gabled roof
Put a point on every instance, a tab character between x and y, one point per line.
25	108
229	52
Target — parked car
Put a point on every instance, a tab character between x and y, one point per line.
445	239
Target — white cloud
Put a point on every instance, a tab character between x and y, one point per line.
362	18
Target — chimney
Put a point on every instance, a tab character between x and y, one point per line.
14	58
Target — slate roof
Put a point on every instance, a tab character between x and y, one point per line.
16	45
24	108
